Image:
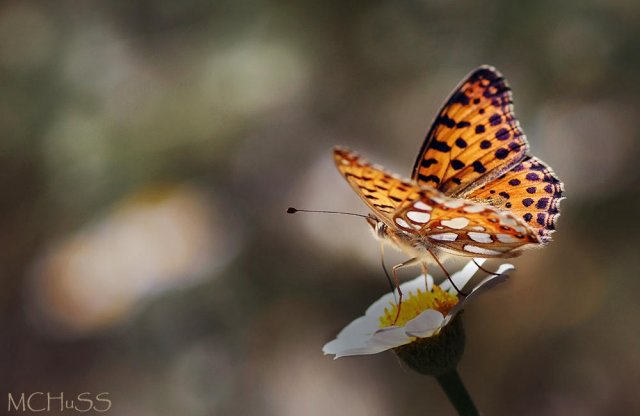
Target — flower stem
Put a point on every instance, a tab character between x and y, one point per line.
452	385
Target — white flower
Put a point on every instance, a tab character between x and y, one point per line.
423	313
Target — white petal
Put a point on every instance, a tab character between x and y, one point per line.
342	347
484	285
362	326
346	350
389	337
382	340
424	324
462	277
377	308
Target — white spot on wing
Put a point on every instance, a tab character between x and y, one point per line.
480	237
454	203
479	250
506	238
477	228
504	220
419	217
472	209
455	223
444	237
421	205
402	223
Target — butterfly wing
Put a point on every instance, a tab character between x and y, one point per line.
456	225
464	227
380	190
531	191
474	138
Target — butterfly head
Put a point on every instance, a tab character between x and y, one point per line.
378	227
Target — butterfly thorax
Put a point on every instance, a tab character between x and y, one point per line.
411	244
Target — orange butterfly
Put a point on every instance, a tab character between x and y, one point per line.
474	190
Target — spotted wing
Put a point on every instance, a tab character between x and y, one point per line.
474	138
380	190
464	227
531	191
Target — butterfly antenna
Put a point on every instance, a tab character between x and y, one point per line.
460	292
292	210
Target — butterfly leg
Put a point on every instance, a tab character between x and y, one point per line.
483	269
386	272
460	292
425	270
396	280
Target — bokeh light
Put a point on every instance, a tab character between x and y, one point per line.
159	238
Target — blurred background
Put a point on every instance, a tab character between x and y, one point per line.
148	153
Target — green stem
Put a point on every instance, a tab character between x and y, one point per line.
452	385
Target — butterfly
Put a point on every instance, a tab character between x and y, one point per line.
475	191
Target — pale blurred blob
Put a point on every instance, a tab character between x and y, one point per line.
254	76
27	36
98	61
154	240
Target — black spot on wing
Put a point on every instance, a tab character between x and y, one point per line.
428	162
430	178
542	203
501	153
440	146
502	134
495	119
446	121
457	164
461	143
479	167
459	97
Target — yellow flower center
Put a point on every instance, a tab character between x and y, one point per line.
416	303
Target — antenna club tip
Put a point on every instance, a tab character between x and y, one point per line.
291	210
